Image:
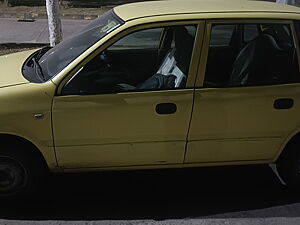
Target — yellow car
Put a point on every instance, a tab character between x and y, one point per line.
150	85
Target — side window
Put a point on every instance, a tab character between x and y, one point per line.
221	35
297	26
145	60
267	56
142	39
250	32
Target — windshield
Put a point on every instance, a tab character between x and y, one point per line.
58	57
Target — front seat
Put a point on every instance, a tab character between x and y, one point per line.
174	68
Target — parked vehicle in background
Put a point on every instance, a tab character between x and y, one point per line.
156	85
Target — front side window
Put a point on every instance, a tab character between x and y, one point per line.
151	59
149	38
266	56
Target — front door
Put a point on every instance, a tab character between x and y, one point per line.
120	111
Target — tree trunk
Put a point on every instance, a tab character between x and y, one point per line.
6	3
287	2
54	22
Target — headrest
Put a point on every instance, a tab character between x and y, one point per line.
268	41
184	43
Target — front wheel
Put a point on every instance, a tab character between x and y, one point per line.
21	172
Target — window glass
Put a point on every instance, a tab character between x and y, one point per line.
297	26
221	35
58	57
142	39
269	58
250	32
136	63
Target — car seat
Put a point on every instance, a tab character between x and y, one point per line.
174	67
259	62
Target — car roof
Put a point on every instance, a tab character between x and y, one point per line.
175	7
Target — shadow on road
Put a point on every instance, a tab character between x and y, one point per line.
164	194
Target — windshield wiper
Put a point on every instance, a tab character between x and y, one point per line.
41	52
38	68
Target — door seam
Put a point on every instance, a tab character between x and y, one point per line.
194	91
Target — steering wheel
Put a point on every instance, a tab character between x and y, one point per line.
104	58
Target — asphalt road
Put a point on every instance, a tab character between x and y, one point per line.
36	31
232	195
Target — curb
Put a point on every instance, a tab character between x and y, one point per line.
22	45
63	16
30	16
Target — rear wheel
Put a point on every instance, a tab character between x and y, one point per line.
288	165
21	171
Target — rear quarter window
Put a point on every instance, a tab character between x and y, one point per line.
297	25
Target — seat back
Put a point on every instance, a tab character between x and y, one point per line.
177	60
175	65
257	63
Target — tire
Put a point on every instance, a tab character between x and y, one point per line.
21	171
288	166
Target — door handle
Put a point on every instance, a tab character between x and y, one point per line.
166	108
283	103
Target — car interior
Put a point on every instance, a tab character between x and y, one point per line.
267	57
138	67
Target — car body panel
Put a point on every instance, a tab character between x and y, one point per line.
10	70
20	100
240	123
154	139
203	7
120	129
19	105
231	124
165	166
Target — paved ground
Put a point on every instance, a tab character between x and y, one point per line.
229	195
34	31
273	221
39	12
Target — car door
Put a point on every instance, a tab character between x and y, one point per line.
245	115
107	119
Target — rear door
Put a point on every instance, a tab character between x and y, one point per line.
245	114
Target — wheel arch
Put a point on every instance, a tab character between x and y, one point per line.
292	139
11	139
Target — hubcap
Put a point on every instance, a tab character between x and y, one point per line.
12	175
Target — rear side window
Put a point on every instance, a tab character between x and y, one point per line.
221	35
297	26
267	56
251	31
